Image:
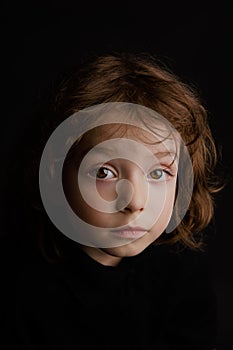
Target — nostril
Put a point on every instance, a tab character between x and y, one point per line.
132	208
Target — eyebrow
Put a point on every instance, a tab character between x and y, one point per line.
165	154
107	151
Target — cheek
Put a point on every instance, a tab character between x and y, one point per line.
106	190
161	195
170	195
85	212
162	203
98	195
84	208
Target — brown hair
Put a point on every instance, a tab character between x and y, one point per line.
144	80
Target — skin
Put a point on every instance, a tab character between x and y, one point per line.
150	195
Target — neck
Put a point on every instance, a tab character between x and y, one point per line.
101	256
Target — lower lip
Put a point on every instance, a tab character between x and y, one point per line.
129	233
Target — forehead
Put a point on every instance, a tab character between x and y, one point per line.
161	138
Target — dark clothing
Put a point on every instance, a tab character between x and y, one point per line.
159	299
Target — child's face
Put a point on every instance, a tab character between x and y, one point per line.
123	179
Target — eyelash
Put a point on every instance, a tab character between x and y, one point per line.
94	173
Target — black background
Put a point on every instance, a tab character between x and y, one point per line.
40	40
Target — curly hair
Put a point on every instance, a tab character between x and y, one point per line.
142	79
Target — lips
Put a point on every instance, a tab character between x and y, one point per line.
133	232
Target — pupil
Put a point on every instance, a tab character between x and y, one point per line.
156	174
102	172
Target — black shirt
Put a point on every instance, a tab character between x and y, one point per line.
160	299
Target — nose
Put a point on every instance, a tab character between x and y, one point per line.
133	198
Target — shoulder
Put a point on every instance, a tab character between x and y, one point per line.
181	260
39	279
185	271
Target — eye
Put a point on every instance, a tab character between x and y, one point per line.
159	174
103	173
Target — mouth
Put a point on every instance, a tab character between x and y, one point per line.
129	232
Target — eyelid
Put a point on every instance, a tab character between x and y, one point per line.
164	173
169	168
104	166
168	171
108	167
